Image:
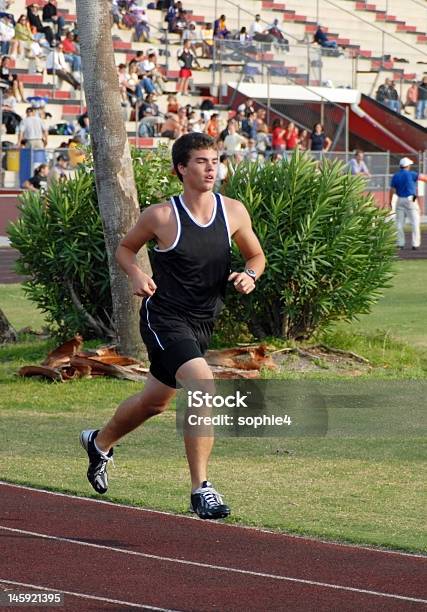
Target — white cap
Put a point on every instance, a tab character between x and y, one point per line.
405	162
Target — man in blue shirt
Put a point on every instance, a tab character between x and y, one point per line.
322	39
404	185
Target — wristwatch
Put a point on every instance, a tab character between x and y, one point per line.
251	273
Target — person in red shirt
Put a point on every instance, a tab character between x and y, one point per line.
278	140
71	52
291	136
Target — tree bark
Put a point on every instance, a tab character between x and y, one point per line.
7	332
115	184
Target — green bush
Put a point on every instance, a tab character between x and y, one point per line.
61	243
329	249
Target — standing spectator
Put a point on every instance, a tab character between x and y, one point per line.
233	142
304	141
291	136
35	22
318	139
278	137
411	96
212	126
186	57
422	99
38	182
220	28
56	64
11	79
393	101
72	53
247	106
357	164
7	33
404	185
50	14
249	125
33	131
321	38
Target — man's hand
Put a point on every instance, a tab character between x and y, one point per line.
242	282
142	284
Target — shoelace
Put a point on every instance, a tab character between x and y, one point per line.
104	462
211	496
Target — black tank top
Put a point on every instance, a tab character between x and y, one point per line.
191	275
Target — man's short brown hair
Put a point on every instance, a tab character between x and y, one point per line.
182	148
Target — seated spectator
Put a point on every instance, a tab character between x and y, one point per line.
247	106
10	117
357	164
59	171
72	53
207	40
171	127
56	64
222	173
142	25
291	136
196	124
243	36
76	154
38	182
220	28
35	22
275	31
7	33
318	139
171	16
256	28
261	125
411	96
186	58
50	14
11	79
183	119
149	116
84	131
33	131
321	38
278	135
234	141
173	105
212	126
23	37
251	151
190	33
150	69
422	99
181	22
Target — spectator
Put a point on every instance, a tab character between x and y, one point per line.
183	120
251	151
50	14
60	171
142	26
321	38
23	37
275	31
33	131
233	142
190	33
256	27
404	185
38	182
149	116
35	22
171	16
151	70
422	99
411	96
318	139
278	137
11	79
7	33
56	64
71	53
304	141
75	152
212	126
357	164
243	36
171	128
222	172
173	105
220	28
247	106
291	136
393	101
10	118
249	125
207	35
186	57
84	131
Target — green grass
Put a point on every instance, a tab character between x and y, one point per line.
362	490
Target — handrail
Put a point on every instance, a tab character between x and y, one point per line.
373	25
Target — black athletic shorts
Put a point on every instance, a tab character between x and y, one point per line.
172	339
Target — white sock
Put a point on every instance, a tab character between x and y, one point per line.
101	452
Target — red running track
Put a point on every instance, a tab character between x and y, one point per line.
109	557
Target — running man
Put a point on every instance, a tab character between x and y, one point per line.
191	268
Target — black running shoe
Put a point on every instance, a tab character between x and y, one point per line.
207	503
97	470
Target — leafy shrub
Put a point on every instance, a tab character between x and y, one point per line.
329	248
61	243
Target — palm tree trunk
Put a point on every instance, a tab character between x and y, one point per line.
7	332
115	184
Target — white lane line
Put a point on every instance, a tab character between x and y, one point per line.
219	568
222	525
85	596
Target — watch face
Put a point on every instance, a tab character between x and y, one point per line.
251	273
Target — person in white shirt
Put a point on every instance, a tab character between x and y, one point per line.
150	69
33	131
256	27
7	32
56	64
233	141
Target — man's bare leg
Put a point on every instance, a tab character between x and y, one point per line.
198	448
131	413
